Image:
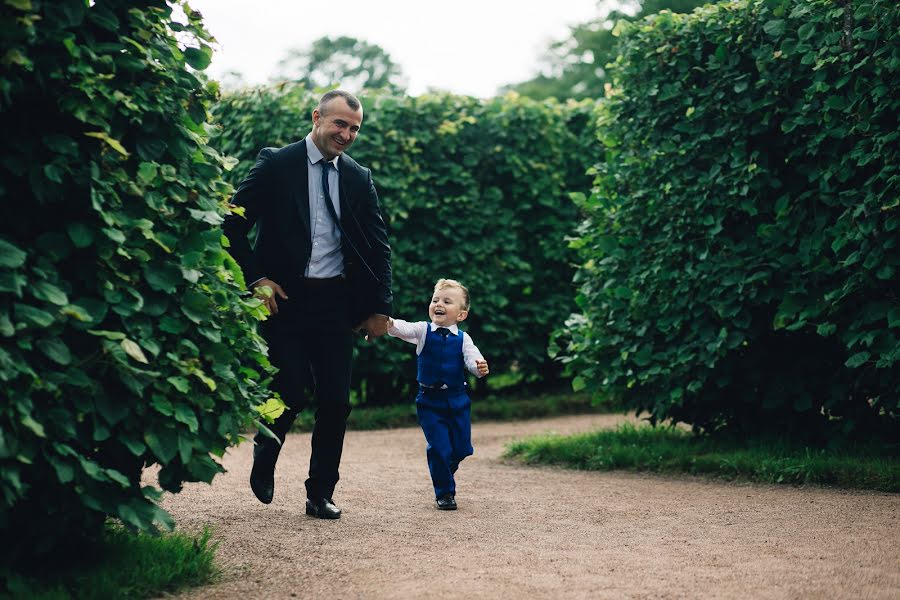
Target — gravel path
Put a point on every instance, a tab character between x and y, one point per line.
526	532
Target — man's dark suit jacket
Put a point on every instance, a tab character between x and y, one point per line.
275	196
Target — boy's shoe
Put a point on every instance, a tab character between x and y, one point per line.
446	502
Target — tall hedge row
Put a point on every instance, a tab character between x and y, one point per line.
740	262
473	190
124	339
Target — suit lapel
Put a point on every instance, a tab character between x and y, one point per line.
299	180
344	196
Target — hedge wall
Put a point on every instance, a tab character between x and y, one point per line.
473	190
124	339
739	266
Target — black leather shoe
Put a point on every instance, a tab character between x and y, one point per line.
322	508
262	482
446	502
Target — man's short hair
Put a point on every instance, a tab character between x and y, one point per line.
352	101
443	284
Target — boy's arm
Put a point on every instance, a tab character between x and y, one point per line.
406	331
475	362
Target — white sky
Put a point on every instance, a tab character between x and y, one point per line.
469	47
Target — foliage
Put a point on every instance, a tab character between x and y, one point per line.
484	408
123	565
672	450
473	190
347	62
576	66
125	339
739	264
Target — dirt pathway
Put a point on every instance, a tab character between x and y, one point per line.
525	532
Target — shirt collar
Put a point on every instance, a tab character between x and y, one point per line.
453	328
314	154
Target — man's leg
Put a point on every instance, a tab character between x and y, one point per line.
330	347
287	352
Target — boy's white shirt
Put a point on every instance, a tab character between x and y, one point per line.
415	334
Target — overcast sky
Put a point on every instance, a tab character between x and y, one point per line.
467	47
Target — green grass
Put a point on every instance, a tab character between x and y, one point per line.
670	450
121	565
491	408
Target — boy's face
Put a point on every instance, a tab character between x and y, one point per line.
446	307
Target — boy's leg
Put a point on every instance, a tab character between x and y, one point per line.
435	427
460	432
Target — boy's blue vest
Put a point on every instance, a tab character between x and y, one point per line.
441	361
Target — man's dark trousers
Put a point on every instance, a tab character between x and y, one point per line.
310	342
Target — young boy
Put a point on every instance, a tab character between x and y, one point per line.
442	404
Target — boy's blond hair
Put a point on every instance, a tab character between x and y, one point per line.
443	284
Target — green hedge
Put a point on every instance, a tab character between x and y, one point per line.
124	340
740	263
473	190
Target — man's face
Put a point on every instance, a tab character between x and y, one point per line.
336	127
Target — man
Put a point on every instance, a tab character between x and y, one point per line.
321	262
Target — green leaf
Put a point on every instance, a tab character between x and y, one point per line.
6	327
112	143
826	329
35	427
164	277
621	27
48	292
134	351
229	163
886	272
32	316
180	383
147	172
578	383
198	58
80	234
806	31
135	446
210	383
184	414
163	443
110	335
893	317
10	255
857	360
775	27
118	477
55	350
23	5
271	409
185	448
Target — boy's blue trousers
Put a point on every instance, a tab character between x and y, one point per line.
445	418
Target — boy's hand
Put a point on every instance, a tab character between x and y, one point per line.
482	367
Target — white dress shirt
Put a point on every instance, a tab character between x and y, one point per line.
415	334
326	259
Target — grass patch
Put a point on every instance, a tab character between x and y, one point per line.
121	565
670	450
491	408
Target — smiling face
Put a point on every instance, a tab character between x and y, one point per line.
335	126
448	307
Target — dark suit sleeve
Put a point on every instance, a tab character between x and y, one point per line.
253	194
379	249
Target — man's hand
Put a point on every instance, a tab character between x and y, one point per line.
375	326
268	296
482	367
